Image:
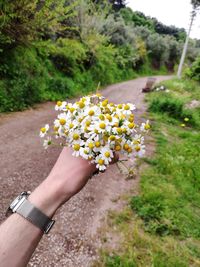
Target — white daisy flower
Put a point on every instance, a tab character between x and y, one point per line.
145	126
61	106
86	153
76	147
100	163
106	154
139	150
44	130
47	142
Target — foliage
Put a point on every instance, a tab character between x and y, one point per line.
157	49
23	21
194	71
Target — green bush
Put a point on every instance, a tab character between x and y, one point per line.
194	71
174	108
68	55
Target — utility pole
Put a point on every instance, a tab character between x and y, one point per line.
180	67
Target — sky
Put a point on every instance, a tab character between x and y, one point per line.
169	12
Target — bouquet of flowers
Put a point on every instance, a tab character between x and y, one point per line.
95	129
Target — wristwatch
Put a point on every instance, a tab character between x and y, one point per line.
26	209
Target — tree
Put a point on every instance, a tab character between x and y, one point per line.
196	5
24	21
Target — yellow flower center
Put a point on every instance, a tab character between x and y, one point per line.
126	107
75	136
131	119
107	154
86	151
105	103
147	126
101	117
130	150
102	125
119	130
97	144
71	110
59	103
131	125
117	147
120	106
126	146
137	148
80	119
91	112
108	117
87	123
101	162
76	147
43	130
91	145
81	104
62	121
71	125
112	138
55	128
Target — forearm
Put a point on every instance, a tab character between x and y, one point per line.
18	237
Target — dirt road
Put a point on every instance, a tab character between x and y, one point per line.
24	164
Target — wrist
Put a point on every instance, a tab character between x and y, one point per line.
47	198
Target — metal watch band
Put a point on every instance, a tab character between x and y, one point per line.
35	216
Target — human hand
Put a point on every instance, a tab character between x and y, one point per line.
68	177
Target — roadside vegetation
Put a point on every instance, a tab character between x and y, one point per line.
160	225
51	50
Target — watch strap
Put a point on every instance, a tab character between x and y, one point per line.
35	216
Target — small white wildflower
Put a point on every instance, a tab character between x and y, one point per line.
47	142
44	130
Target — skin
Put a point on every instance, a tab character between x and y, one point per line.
18	237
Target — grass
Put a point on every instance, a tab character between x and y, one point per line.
161	225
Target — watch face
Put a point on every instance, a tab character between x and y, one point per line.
17	199
16	202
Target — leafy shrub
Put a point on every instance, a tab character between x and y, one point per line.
68	55
174	108
194	71
31	20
